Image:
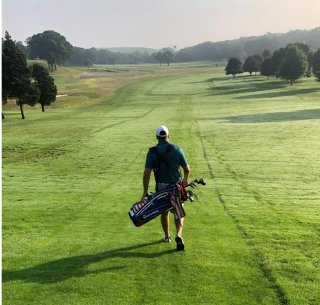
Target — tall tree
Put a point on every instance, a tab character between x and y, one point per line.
159	57
306	49
16	77
14	67
45	83
22	48
234	66
50	46
252	64
266	54
28	94
316	64
112	60
277	58
267	67
168	55
294	64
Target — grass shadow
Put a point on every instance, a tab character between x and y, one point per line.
210	80
273	94
298	115
76	266
243	86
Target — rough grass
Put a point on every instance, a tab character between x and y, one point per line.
71	174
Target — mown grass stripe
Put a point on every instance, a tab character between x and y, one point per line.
260	258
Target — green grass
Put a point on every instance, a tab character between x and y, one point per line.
71	174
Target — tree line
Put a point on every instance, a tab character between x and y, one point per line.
247	46
54	48
33	84
89	57
289	63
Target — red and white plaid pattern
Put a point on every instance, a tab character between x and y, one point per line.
177	206
137	206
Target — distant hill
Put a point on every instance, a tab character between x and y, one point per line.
247	46
128	50
206	51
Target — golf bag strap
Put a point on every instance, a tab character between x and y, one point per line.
161	158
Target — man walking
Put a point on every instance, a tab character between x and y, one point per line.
165	160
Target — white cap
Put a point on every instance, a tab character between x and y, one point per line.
162	131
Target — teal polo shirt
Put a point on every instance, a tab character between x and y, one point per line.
169	169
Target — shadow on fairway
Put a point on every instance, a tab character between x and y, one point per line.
240	88
76	266
257	89
274	93
298	115
208	80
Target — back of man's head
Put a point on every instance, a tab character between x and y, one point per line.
162	133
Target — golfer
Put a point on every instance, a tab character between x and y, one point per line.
165	160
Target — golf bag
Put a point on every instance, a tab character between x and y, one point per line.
157	203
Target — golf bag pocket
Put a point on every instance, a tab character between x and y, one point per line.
154	205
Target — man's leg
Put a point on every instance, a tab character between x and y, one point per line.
165	224
179	227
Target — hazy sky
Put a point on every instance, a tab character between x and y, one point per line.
155	23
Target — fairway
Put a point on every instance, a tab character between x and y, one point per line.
71	174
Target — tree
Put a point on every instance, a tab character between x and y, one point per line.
234	66
159	57
88	63
252	64
16	78
89	57
294	64
277	58
165	55
168	55
267	67
266	54
306	49
29	94
14	67
316	64
112	60
45	83
50	46
22	48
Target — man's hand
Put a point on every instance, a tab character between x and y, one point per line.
144	195
185	182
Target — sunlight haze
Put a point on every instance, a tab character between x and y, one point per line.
154	23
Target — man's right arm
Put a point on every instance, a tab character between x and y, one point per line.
146	181
186	173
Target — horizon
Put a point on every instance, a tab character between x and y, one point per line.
151	48
155	24
242	37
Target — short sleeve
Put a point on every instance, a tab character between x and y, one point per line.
183	160
149	160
